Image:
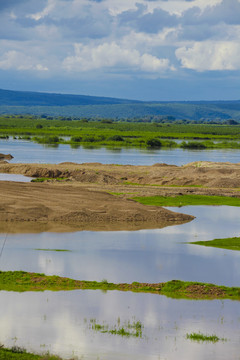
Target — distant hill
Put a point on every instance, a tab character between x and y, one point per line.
23	102
28	98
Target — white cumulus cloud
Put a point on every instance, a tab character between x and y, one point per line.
210	55
17	60
108	55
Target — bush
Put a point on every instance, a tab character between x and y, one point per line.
89	139
106	121
154	143
116	138
76	138
193	145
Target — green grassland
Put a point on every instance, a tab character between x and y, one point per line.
119	134
227	243
187	200
21	281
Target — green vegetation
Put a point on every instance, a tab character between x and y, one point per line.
201	337
24	281
18	353
102	132
127	329
228	243
42	179
186	200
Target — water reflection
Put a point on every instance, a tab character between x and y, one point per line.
30	152
144	256
61	323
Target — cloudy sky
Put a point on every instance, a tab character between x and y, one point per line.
138	49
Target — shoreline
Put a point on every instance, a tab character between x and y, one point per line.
98	197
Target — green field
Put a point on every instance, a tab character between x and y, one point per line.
118	134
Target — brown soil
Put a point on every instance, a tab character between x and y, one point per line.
39	207
5	157
94	196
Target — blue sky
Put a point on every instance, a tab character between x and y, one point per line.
138	49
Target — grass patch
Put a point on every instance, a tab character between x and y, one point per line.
227	243
187	200
60	250
21	281
18	353
202	337
42	179
127	329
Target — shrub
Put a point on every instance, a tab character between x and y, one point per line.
116	138
193	145
76	138
89	139
154	143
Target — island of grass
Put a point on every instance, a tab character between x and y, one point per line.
21	281
187	200
227	243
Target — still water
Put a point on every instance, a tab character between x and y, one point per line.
15	177
145	256
29	152
63	322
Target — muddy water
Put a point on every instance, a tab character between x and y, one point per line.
63	323
29	152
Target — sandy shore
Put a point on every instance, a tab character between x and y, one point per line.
96	197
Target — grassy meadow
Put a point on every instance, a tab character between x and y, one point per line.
106	132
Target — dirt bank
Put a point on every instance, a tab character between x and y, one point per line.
5	157
39	207
94	196
197	174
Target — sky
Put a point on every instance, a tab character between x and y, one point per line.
166	50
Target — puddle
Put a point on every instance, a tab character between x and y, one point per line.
15	177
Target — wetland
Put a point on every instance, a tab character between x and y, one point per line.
69	229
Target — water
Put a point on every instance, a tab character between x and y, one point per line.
145	256
15	177
29	152
61	323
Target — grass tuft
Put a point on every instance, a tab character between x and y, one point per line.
202	337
